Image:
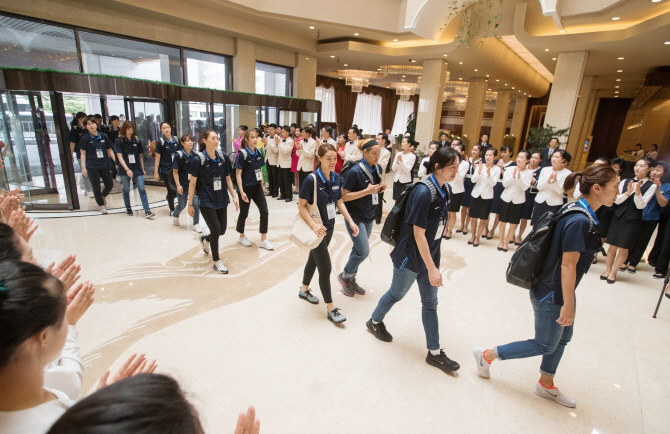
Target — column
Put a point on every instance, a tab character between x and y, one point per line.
244	66
500	118
520	107
575	145
565	90
430	102
474	110
304	76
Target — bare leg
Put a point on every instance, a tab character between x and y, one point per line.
503	240
483	224
492	233
467	220
452	222
522	229
473	229
464	214
510	234
609	263
618	262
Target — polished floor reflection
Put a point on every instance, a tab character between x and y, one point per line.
246	338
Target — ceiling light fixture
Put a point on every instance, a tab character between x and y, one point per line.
402	69
667	43
616	87
618	79
395	40
444	55
615	18
616	91
553	58
311	27
621	70
413	61
460	63
332	57
475	70
346	64
546	49
405	90
620	58
487	75
460	78
497	79
355	34
357	79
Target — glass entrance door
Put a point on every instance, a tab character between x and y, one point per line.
147	116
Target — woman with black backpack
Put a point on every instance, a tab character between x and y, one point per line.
181	164
416	256
129	152
165	148
573	245
208	173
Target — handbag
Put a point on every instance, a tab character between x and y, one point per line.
302	234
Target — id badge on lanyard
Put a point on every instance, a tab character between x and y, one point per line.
217	183
131	158
440	229
375	198
99	153
330	208
259	175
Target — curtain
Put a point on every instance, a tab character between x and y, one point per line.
405	108
368	113
327	98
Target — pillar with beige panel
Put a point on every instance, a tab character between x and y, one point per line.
430	102
244	66
520	107
565	91
304	76
581	125
500	116
474	110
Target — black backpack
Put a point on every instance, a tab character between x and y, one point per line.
180	164
526	268
202	171
346	168
394	221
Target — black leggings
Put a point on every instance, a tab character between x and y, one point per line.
217	220
171	194
380	208
94	176
286	180
320	258
255	194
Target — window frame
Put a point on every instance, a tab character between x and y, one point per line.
289	77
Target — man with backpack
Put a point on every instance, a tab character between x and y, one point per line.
551	262
415	227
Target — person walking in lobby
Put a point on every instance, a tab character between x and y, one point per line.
95	147
165	148
130	155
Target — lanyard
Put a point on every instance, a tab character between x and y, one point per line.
588	208
95	137
373	172
329	185
255	153
437	186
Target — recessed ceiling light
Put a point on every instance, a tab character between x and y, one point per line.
618	79
615	18
475	70
553	58
460	78
460	63
524	93
546	49
512	87
655	1
497	79
667	43
488	89
616	87
379	69
311	27
616	91
355	34
444	55
621	70
413	61
346	64
395	40
616	96
505	84
620	58
404	76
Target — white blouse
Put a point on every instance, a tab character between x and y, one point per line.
403	171
457	186
515	188
422	169
384	158
484	183
640	201
504	168
66	372
36	420
551	193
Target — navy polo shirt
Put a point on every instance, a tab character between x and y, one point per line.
220	167
112	133
361	209
132	147
569	236
187	162
421	211
254	161
91	144
326	192
166	149
76	132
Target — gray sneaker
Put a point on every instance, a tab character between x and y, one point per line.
357	289
335	316
347	286
555	395
307	295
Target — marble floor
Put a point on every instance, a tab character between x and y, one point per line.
246	338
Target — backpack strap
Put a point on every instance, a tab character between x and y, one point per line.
368	173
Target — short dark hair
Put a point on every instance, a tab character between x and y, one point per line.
639	144
90	119
272	126
491	149
113	118
603	159
97	116
442	157
655	146
81	115
507	148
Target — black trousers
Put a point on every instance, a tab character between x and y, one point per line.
273	179
662	261
217	220
301	177
171	194
658	243
114	171
320	258
94	175
255	194
286	177
647	229
380	206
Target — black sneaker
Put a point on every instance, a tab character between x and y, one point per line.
347	287
357	289
442	361
658	276
379	330
129	212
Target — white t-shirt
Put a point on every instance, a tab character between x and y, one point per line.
36	420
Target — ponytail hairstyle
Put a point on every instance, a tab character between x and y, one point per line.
385	138
460	146
442	157
478	146
145	403
201	140
507	148
360	134
323	150
30	301
592	175
243	128
490	149
10	245
244	143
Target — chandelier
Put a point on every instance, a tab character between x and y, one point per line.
460	87
405	90
491	95
418	79
445	97
357	79
401	70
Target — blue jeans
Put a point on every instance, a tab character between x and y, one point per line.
87	182
400	285
549	342
182	201
139	180
360	250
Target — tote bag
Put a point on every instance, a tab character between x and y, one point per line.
302	234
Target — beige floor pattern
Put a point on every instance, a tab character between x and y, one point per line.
246	338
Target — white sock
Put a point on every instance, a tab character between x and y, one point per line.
435	352
375	322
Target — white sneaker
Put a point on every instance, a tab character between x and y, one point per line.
90	194
175	221
265	244
205	244
196	228
220	268
482	364
244	241
103	210
554	394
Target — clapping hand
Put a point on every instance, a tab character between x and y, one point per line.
480	166
552	177
631	186
67	271
638	185
248	424
80	298
516	172
136	364
22	224
488	171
